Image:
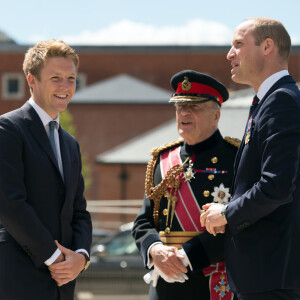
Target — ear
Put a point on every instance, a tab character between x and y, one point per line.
268	46
218	114
31	80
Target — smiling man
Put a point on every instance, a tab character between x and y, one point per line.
263	217
182	176
45	229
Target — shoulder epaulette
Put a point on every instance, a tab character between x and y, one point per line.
233	141
156	151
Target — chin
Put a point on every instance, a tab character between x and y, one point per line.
235	78
238	79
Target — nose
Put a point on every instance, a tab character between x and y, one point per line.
66	83
184	110
230	54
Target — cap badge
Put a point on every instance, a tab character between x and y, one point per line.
186	85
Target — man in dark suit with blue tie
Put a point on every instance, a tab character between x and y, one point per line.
263	217
45	229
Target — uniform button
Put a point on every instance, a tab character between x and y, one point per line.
214	160
165	212
211	176
206	193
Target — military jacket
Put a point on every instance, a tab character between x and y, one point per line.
210	156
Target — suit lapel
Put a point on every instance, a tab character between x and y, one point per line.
38	131
276	85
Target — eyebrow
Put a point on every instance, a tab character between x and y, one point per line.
58	73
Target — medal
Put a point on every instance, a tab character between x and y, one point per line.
247	138
221	194
189	174
250	126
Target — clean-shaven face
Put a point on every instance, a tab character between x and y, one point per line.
246	58
56	86
196	122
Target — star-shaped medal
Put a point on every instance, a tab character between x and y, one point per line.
189	174
221	194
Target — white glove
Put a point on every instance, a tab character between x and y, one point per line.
181	277
156	272
151	276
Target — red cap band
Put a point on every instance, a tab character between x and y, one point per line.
198	88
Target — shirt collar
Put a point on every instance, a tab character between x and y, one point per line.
45	118
268	83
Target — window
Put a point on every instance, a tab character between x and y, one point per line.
13	86
80	81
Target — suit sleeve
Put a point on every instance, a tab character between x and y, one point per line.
278	129
204	250
144	231
18	217
81	223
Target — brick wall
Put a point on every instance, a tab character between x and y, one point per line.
102	127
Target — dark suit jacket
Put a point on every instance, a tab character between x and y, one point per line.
263	242
37	206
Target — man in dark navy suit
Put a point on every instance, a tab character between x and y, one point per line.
45	229
263	216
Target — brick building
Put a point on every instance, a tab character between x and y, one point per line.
104	124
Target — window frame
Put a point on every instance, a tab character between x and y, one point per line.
20	94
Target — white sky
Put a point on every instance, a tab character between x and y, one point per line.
133	22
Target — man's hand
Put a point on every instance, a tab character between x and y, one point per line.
61	258
220	229
168	260
65	271
212	218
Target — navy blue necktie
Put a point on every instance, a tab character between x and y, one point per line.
52	125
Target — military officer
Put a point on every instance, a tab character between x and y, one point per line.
182	176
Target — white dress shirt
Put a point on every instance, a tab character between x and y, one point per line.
268	83
45	118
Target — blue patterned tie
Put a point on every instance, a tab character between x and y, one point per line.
52	125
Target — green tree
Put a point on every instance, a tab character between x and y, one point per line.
66	121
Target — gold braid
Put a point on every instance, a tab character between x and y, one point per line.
171	179
233	141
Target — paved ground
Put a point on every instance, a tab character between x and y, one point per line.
90	296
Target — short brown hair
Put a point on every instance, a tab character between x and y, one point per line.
269	28
37	56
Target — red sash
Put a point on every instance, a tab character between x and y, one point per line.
188	212
187	209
